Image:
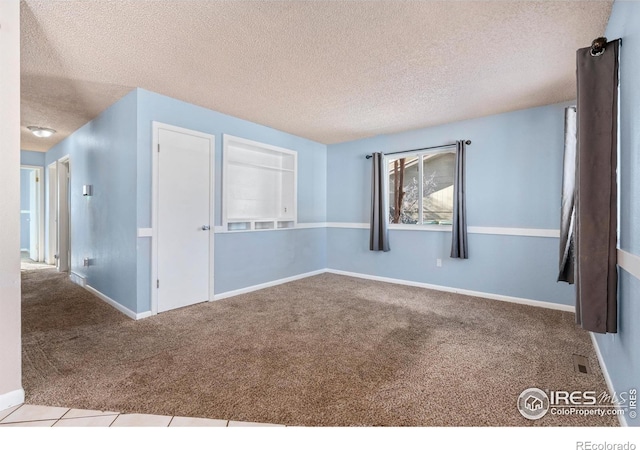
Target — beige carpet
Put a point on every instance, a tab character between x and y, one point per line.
27	263
326	350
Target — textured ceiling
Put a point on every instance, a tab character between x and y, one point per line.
330	71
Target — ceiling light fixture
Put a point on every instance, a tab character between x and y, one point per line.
41	131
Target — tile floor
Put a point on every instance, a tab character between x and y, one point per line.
50	416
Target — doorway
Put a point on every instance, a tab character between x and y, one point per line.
182	217
31	213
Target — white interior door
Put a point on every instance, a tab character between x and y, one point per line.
53	213
63	217
183	228
34	220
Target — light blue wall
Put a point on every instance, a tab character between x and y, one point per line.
241	259
103	227
24	206
625	23
621	352
113	153
29	158
248	259
514	171
514	168
312	204
516	266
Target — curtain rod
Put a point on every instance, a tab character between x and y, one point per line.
467	142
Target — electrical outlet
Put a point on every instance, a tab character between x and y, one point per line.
438	262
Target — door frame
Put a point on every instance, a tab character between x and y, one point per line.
156	127
40	206
52	219
64	160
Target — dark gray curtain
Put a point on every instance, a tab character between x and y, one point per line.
596	194
459	248
379	234
567	211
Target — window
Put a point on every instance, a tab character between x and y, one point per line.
421	188
259	186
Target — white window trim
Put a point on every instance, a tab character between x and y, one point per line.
418	226
414	226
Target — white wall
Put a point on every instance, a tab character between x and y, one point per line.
11	392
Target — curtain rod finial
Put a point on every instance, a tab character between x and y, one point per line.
598	46
468	142
369	156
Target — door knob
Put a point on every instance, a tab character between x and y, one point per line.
205	227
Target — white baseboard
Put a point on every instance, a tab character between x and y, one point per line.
502	298
123	309
82	281
78	279
257	287
143	315
11	399
607	378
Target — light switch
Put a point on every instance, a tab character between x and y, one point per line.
87	190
